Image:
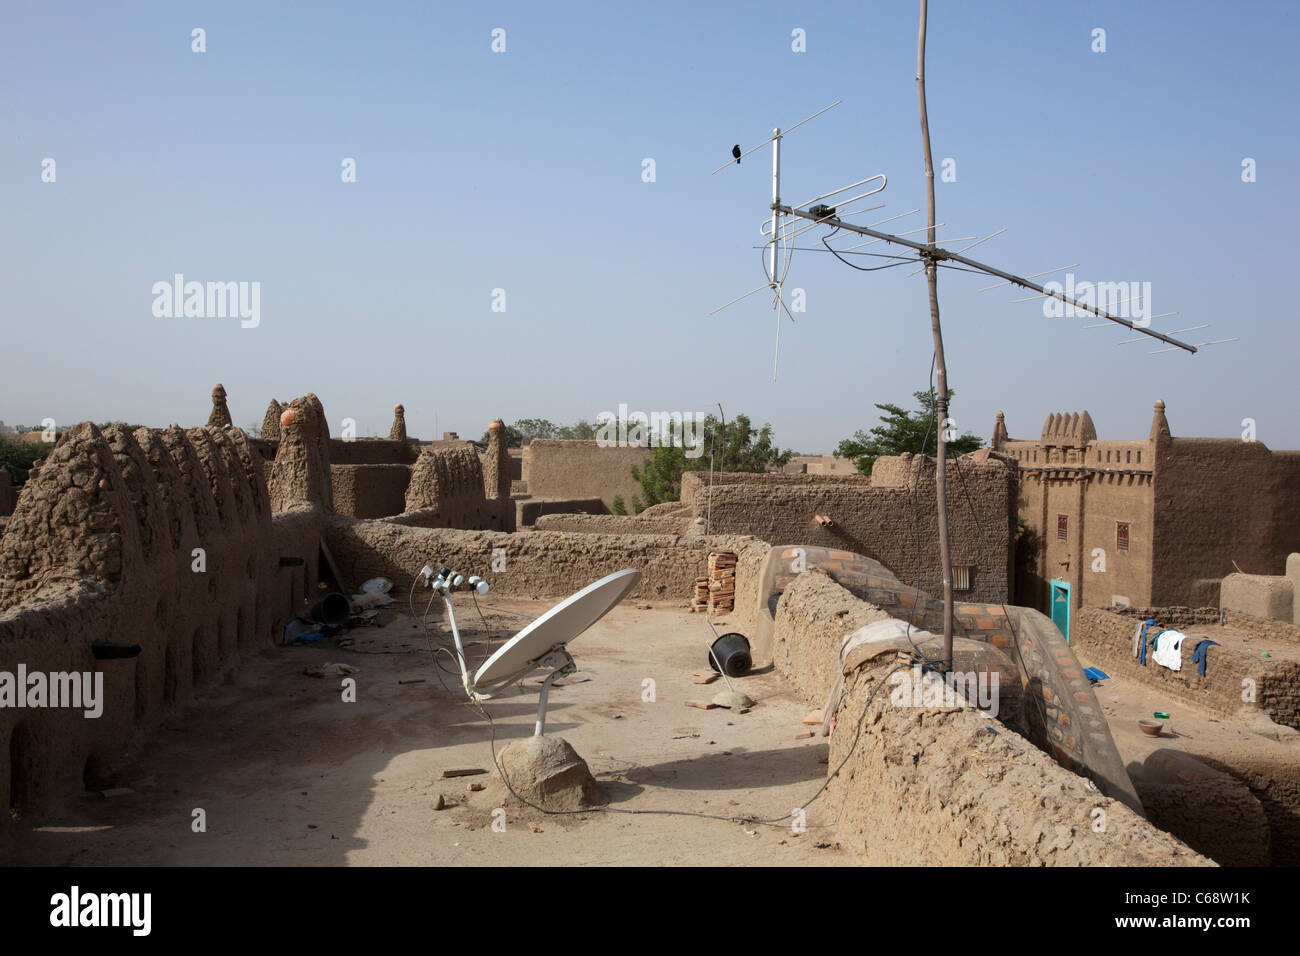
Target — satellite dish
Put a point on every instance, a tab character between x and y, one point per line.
539	645
556	627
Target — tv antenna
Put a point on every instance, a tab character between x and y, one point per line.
773	227
930	256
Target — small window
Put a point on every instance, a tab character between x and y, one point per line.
1139	458
961	577
1128	458
1121	535
1062	527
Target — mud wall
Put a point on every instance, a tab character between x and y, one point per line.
1058	707
821	465
1260	595
446	491
529	510
695	481
560	468
1189	616
1216	501
1106	636
370	491
543	564
611	524
165	538
1209	810
1274	778
925	786
372	451
497	463
812	618
8	494
879	518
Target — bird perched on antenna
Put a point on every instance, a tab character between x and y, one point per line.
735	151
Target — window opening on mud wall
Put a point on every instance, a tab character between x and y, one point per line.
1121	535
961	577
1062	527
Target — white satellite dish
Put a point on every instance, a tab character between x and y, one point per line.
542	643
557	626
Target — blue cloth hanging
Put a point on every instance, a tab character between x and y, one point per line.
1145	625
1201	655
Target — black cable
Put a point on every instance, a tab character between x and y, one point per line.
487	630
866	268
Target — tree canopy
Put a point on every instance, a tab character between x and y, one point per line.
737	446
902	431
17	456
526	429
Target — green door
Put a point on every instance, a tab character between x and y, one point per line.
1061	607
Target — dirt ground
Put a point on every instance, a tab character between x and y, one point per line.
1126	702
1189	728
1248	746
285	772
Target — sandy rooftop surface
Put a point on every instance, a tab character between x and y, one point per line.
287	773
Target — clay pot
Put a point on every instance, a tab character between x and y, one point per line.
1151	728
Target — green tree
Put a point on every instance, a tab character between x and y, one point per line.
514	437
901	431
526	429
578	430
737	446
17	456
531	428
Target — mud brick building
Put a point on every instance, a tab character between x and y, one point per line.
1148	523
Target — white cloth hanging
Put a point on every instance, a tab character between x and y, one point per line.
1169	650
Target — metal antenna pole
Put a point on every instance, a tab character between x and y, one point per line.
713	451
723	466
931	256
941	367
773	257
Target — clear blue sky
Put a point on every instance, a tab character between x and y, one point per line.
522	171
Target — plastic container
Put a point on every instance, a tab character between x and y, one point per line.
332	610
732	651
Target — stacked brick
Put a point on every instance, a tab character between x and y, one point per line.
722	582
700	602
